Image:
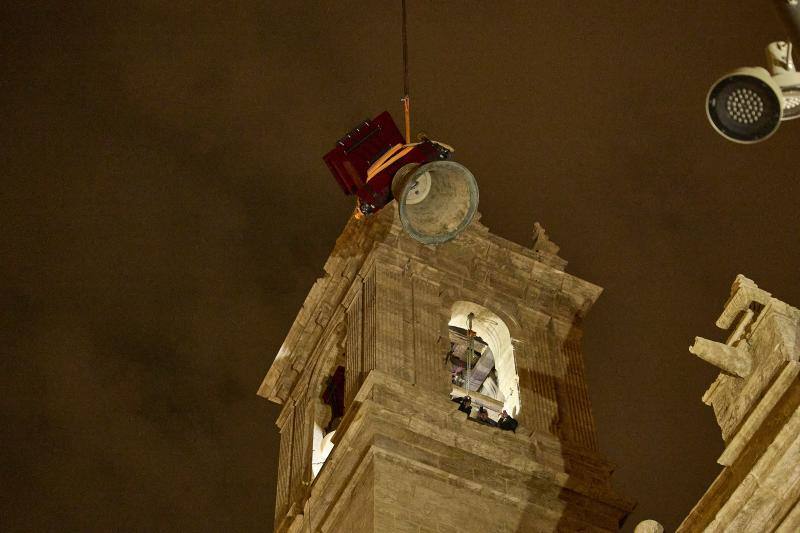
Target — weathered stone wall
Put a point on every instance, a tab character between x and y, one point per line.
756	400
359	515
425	468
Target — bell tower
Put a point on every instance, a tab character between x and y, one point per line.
371	440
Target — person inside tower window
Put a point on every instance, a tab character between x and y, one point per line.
483	417
457	377
464	404
506	422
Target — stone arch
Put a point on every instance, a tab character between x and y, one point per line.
475	294
494	331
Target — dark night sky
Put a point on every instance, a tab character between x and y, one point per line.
164	211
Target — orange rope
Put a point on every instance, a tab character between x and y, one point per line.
391	151
393	154
407	113
406	90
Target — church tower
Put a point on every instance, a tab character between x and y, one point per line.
371	440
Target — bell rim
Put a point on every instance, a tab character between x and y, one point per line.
471	210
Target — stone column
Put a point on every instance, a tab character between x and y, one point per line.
429	367
354	364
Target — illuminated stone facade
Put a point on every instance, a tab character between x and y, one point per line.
756	400
403	457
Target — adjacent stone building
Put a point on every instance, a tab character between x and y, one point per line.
371	440
756	400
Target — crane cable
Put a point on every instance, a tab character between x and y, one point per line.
399	151
470	350
406	98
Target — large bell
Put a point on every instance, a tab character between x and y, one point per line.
437	200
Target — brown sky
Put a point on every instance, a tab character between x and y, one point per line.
164	210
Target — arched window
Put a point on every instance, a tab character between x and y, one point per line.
493	372
328	414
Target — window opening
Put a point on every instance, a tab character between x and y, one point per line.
481	363
472	363
334	398
330	410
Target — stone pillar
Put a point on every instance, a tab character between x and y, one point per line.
541	396
282	494
354	364
369	328
301	453
574	382
390	355
430	371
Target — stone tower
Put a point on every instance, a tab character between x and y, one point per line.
756	400
370	439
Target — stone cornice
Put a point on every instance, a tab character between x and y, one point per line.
395	418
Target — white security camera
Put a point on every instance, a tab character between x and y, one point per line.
748	105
